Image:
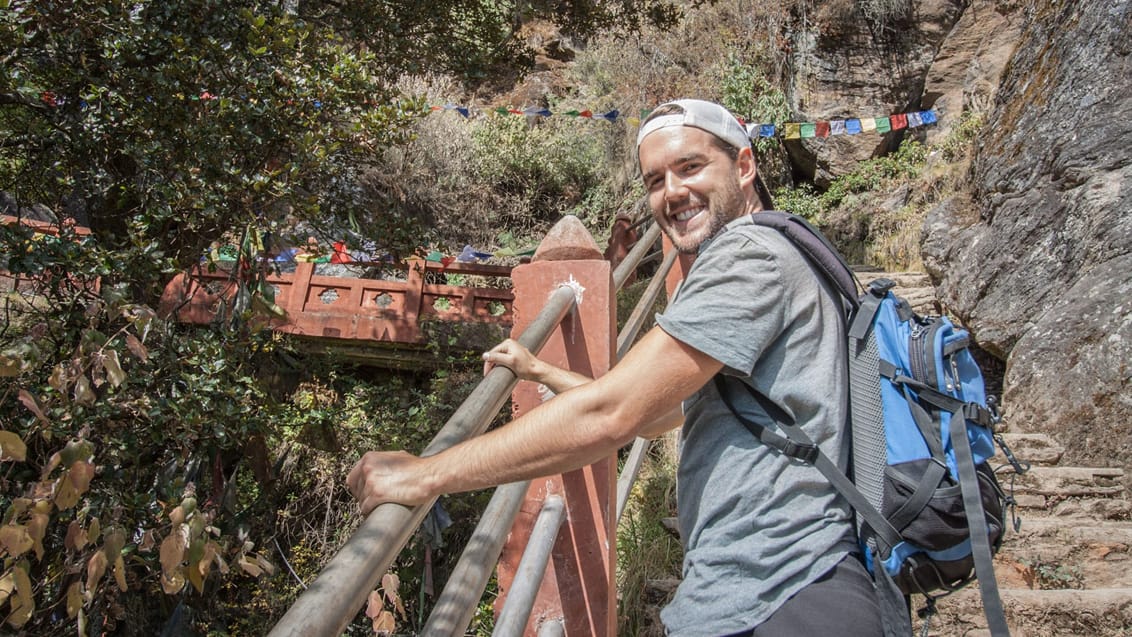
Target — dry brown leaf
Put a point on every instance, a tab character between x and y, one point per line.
83	394
95	569
76	537
58	379
74	600
195	578
135	346
12	447
81	473
52	462
24	598
120	573
32	404
94	532
374	606
66	496
177	515
250	567
37	527
113	368
15	539
172	583
113	542
173	550
384	624
7	587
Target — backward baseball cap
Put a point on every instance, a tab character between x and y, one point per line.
706	116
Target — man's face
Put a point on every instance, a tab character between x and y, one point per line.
693	186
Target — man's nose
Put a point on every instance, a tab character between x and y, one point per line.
674	189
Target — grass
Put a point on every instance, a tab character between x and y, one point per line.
646	552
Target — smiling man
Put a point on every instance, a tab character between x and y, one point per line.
769	546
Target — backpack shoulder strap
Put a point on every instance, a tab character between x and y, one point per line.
817	250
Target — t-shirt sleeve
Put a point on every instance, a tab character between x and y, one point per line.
731	304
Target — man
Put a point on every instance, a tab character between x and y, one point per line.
769	546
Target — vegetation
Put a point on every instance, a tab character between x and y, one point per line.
158	477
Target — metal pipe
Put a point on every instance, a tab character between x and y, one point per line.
461	595
344	584
532	566
633	324
621	274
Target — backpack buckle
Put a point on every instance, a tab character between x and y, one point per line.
881	286
807	453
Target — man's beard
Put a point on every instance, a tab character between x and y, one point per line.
724	205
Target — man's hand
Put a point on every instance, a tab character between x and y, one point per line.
515	357
387	476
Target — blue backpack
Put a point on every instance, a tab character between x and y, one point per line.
922	432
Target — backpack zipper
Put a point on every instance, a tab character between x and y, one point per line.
920	343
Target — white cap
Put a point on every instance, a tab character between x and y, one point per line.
706	116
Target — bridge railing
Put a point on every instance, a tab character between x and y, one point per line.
552	581
346	307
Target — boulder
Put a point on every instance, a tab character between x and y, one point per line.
1039	263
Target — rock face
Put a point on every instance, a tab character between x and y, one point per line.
965	73
1040	268
850	66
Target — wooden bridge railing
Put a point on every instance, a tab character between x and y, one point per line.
341	307
564	310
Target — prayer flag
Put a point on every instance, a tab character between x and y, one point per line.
853	126
928	117
914	120
821	129
837	127
883	125
899	121
868	125
633	121
793	130
571	113
610	115
809	129
462	110
586	113
766	130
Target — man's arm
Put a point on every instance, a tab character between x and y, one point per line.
512	355
579	427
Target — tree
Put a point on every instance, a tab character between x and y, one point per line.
164	126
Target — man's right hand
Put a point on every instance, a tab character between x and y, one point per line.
388	476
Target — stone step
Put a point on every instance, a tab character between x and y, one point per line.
1036	449
1067	482
1060	553
1036	613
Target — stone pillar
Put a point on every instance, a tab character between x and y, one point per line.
579	586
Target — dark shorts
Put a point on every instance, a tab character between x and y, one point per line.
841	602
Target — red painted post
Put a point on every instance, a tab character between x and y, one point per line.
579	585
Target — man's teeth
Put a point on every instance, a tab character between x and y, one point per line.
688	214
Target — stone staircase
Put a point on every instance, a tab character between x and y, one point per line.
1066	569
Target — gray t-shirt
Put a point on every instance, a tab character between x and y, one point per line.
757	525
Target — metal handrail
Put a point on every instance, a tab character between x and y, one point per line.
633	258
461	595
532	567
332	600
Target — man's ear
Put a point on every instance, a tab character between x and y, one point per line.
745	164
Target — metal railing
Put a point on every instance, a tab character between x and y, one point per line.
342	587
